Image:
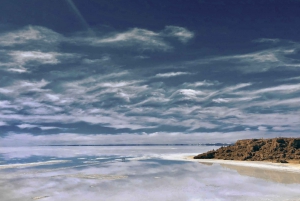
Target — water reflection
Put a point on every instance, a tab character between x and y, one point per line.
148	173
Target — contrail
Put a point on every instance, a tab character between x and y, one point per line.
80	17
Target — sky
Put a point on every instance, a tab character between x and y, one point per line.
159	71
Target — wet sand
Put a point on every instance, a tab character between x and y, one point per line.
293	166
286	173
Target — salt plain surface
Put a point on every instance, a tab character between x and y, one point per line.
148	173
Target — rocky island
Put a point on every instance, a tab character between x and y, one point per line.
280	150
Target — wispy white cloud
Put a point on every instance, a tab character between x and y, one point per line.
221	100
171	74
24	86
21	69
32	46
28	126
141	38
45	39
202	83
191	92
135	34
97	90
30	34
267	40
256	57
7	104
142	138
23	57
290	79
287	88
278	128
181	33
251	119
50	127
21	61
193	124
107	118
227	100
283	89
3	123
262	128
259	61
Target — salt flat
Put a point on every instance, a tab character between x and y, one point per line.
148	173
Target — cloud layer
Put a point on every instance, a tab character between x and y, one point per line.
132	86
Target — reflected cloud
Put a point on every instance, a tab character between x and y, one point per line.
157	172
32	164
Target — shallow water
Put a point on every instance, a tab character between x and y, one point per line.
148	173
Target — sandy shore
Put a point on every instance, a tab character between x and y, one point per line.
286	167
287	173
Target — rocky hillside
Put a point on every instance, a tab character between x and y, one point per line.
277	150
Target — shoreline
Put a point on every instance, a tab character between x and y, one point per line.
284	167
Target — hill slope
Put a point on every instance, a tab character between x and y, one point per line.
276	150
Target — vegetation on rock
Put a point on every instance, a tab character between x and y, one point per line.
277	150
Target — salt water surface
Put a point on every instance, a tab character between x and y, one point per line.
94	173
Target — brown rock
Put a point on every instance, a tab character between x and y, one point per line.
277	149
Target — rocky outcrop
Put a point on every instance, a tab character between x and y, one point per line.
277	150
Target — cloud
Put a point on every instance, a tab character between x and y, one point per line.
181	33
190	92
95	83
49	127
278	57
43	102
105	118
3	123
139	35
103	87
278	128
30	34
22	61
26	126
23	57
138	38
227	100
37	37
267	40
141	38
262	128
283	89
221	100
290	79
255	57
202	83
171	74
131	104
284	120
19	87
6	104
136	138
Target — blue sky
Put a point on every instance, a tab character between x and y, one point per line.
98	72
